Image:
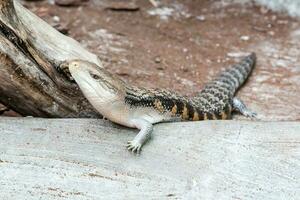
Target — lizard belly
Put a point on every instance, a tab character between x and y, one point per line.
112	105
148	114
114	110
117	111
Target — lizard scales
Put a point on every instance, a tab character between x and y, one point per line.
140	108
213	102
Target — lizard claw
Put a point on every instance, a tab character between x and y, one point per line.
134	146
250	114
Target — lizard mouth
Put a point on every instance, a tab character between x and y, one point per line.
83	79
96	84
73	65
91	88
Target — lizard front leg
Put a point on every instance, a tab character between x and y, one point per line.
145	133
239	106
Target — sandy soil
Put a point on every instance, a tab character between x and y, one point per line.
181	45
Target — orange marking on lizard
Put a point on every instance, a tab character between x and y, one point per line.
158	105
185	113
174	109
224	115
196	116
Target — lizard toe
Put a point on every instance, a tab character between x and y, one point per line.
129	146
252	115
134	146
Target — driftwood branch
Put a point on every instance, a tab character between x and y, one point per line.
86	159
31	53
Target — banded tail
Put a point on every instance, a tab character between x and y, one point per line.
213	102
235	76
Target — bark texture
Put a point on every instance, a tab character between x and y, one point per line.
31	53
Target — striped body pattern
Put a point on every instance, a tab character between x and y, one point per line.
213	102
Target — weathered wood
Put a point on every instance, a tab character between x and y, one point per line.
2	109
31	53
87	159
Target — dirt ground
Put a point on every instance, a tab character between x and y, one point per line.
181	45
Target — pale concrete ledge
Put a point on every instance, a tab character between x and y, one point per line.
86	159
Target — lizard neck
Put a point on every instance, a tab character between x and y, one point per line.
100	87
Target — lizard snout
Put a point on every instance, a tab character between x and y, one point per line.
73	65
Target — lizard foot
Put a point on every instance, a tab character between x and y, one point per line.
250	114
145	132
134	146
239	106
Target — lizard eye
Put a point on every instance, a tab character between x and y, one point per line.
94	76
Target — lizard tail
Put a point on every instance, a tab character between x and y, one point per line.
215	99
238	73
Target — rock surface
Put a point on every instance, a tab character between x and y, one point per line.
86	159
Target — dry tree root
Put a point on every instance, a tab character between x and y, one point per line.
31	54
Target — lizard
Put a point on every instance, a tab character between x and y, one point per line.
141	108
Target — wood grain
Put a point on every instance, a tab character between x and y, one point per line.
87	159
31	54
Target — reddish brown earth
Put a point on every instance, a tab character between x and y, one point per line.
189	47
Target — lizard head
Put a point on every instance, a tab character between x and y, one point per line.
94	81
